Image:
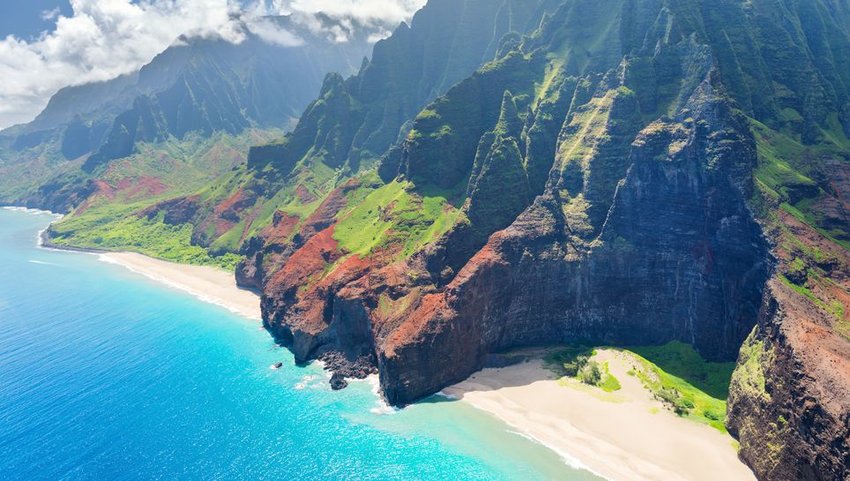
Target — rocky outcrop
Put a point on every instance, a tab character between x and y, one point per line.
789	402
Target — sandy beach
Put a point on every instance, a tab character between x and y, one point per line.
623	436
209	284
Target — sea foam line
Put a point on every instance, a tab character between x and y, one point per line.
30	211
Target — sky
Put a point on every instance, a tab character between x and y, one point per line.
49	44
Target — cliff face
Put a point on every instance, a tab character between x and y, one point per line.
625	174
678	257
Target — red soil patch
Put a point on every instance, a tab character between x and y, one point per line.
140	187
825	355
324	215
430	308
304	195
103	189
282	228
312	258
230	203
229	212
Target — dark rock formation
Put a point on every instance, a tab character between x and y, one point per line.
679	257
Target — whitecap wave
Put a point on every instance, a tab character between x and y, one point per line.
307	381
446	395
27	210
42	263
381	407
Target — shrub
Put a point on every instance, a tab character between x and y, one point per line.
574	367
591	373
712	415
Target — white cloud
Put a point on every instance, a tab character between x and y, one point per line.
370	12
50	15
272	33
106	38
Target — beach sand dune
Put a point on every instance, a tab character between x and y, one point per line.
622	436
209	284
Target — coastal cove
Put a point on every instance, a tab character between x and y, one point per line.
109	374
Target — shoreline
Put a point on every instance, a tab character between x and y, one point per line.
620	436
208	284
624	435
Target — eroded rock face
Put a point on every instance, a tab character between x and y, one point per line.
789	403
679	257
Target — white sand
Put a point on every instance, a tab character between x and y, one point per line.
209	284
622	436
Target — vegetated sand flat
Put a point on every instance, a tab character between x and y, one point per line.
626	435
209	284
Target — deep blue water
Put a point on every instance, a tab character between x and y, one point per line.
105	375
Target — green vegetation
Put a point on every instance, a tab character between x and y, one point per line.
780	163
158	172
785	177
588	125
393	215
609	383
749	375
677	375
120	229
681	360
674	373
316	180
576	362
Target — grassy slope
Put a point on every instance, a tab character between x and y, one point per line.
678	376
393	215
182	168
116	227
317	179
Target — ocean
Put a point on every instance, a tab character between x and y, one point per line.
106	375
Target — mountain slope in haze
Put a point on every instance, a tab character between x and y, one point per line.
196	88
356	120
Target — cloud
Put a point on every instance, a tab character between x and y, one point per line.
272	33
103	39
50	15
369	12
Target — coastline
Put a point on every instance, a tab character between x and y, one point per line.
625	435
211	285
208	284
620	436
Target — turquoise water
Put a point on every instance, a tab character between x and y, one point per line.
105	375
